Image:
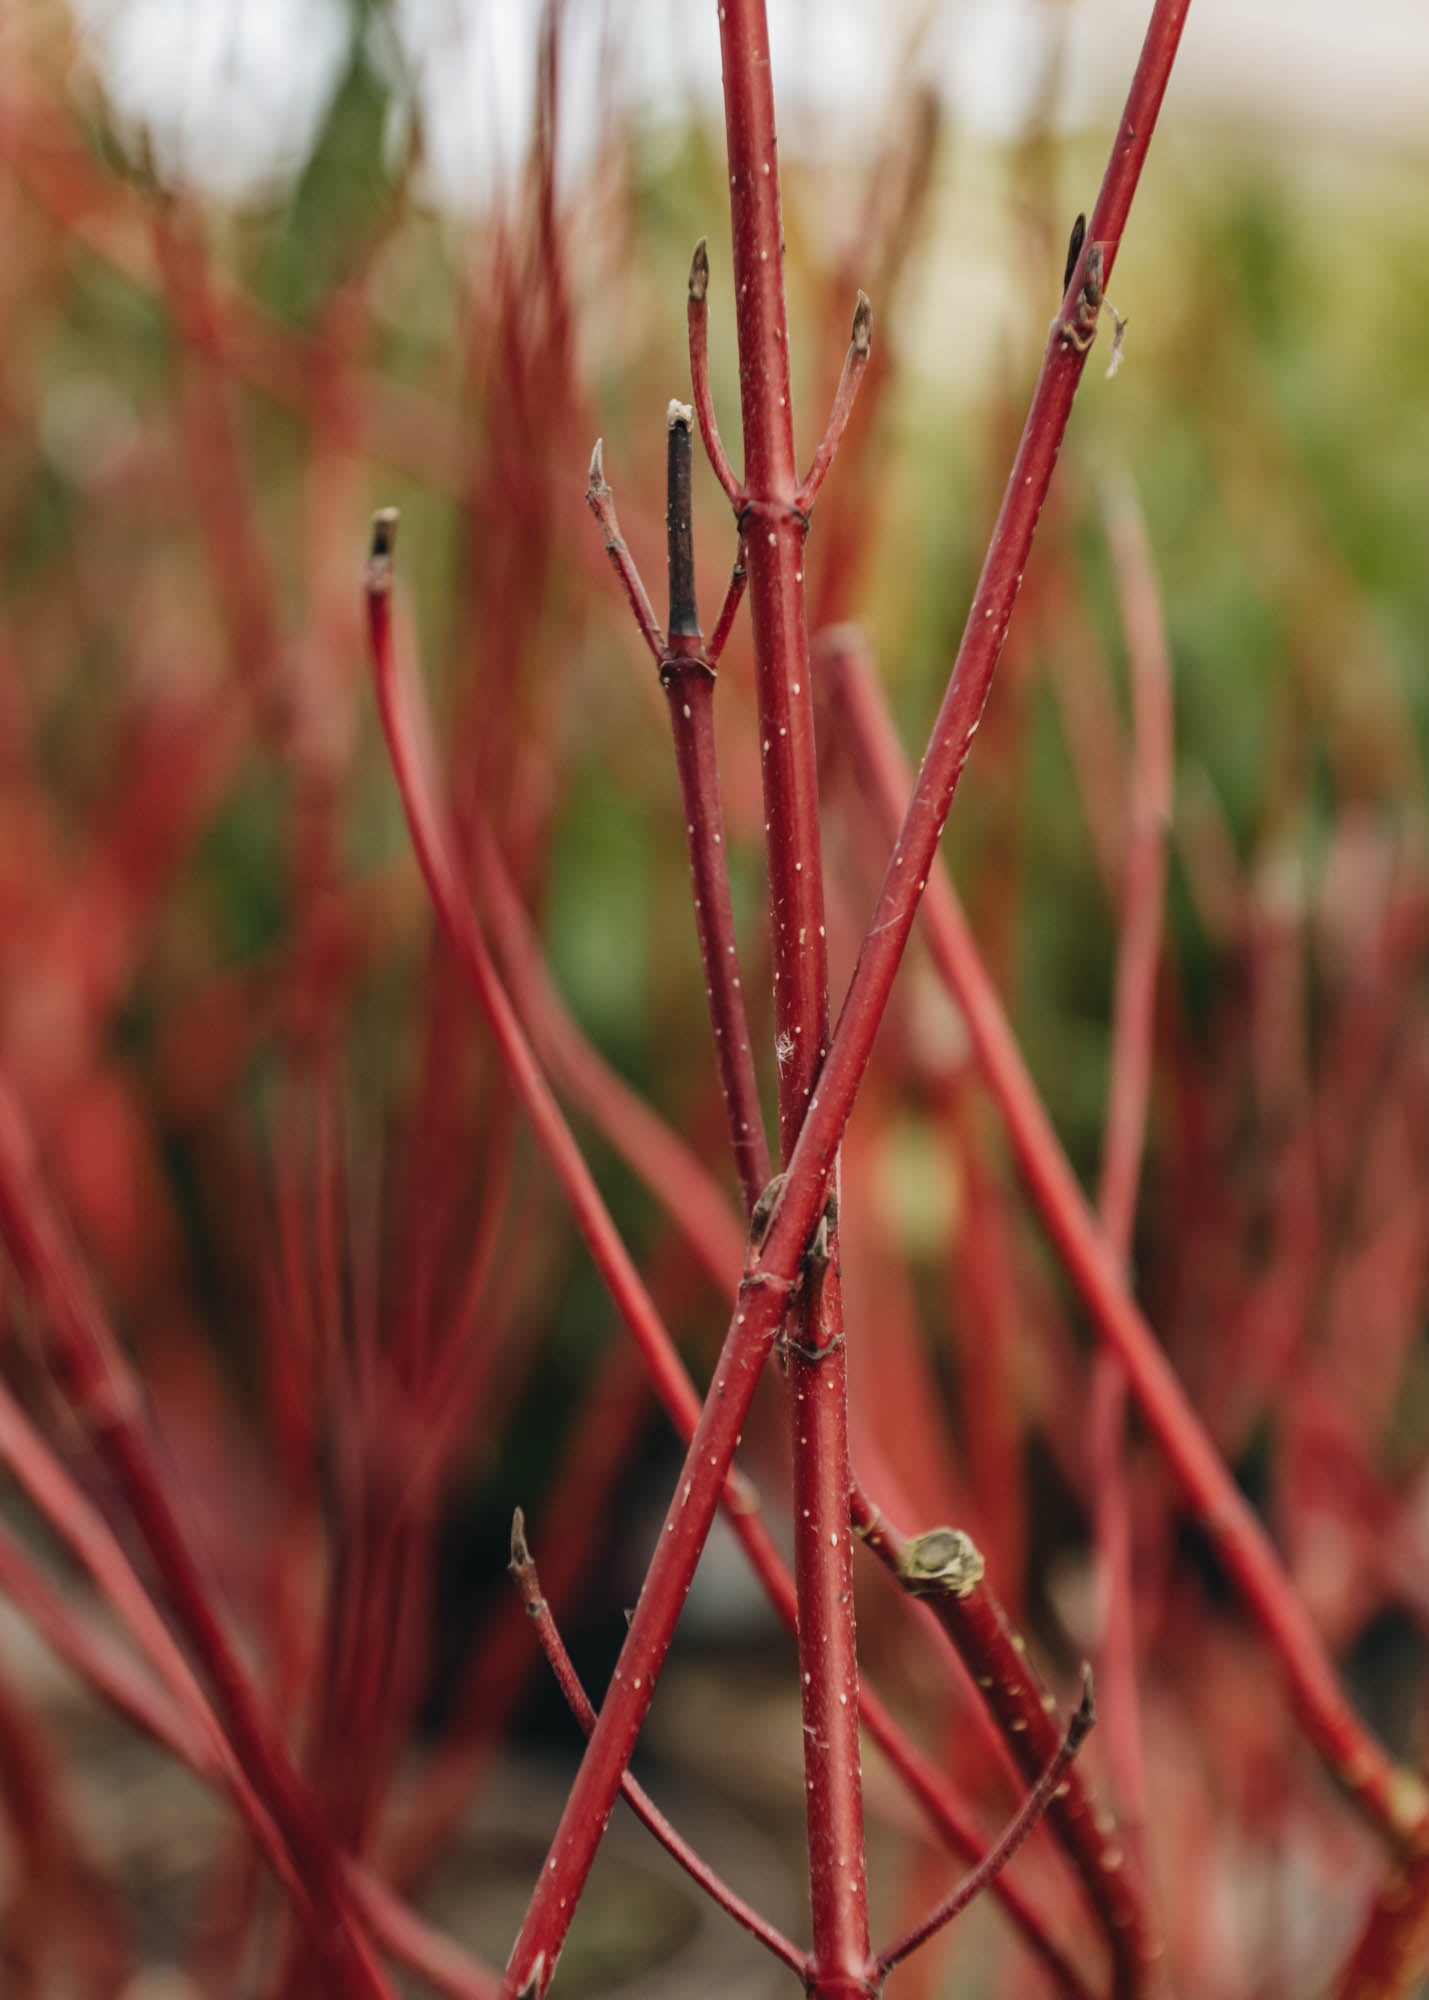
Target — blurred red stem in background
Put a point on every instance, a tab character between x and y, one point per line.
1390	1797
1133	1036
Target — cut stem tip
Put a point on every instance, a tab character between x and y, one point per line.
381	549
384	532
680	416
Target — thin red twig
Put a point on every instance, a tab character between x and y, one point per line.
1133	1033
997	1857
855	362
697	319
733	598
528	1582
601	502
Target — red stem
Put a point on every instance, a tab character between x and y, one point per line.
179	1720
855	362
528	1582
1133	1034
687	677
733	598
689	690
1388	1795
601	502
774	519
697	320
100	1387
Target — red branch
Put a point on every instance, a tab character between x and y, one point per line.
855	362
697	318
1133	1033
774	518
778	1264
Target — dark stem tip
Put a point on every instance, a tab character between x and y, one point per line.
1074	249
384	534
1084	1720
700	272
862	335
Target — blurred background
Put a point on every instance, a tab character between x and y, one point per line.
268	264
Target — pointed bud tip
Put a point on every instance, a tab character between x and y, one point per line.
520	1552
862	324
596	479
700	272
1074	249
1086	1714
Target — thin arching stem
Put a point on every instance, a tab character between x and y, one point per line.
528	1582
1026	1818
855	362
601	502
697	320
733	598
1143	890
